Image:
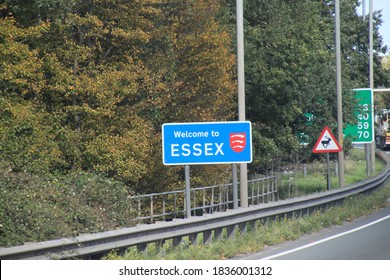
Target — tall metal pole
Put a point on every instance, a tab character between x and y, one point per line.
241	95
367	146
364	9
339	94
371	44
371	26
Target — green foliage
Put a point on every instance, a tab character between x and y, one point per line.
43	208
264	234
296	184
203	87
122	157
26	139
86	85
85	88
101	77
290	70
386	62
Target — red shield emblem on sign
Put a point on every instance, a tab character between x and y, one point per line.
238	141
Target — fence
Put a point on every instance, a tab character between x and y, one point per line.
289	179
211	226
204	200
166	206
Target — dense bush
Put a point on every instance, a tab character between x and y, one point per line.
42	208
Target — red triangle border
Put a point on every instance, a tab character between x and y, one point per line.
317	151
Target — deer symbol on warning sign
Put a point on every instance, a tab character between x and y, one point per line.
326	143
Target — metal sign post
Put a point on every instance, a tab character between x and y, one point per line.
328	172
327	143
187	194
235	186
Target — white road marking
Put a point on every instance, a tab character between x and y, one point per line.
325	239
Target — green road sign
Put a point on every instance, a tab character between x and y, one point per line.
363	130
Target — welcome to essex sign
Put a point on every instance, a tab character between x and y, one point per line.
206	143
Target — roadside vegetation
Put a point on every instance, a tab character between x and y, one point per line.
36	208
294	182
85	86
272	233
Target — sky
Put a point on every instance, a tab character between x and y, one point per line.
384	30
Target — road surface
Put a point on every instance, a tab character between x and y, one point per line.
367	238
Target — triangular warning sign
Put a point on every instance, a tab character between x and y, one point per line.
327	143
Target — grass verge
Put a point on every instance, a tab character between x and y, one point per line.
297	184
263	235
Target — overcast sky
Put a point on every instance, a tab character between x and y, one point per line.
384	30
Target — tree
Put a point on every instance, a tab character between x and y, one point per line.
203	85
111	72
92	82
25	130
290	71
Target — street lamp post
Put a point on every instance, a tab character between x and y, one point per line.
371	47
241	95
339	93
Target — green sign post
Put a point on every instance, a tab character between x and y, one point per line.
363	131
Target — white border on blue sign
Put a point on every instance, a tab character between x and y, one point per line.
207	123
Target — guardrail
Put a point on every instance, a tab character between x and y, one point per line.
210	226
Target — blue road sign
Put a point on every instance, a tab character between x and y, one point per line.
206	143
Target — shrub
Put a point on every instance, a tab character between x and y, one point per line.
36	208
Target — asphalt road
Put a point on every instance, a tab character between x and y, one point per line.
367	238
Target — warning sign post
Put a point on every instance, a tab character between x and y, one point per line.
327	143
